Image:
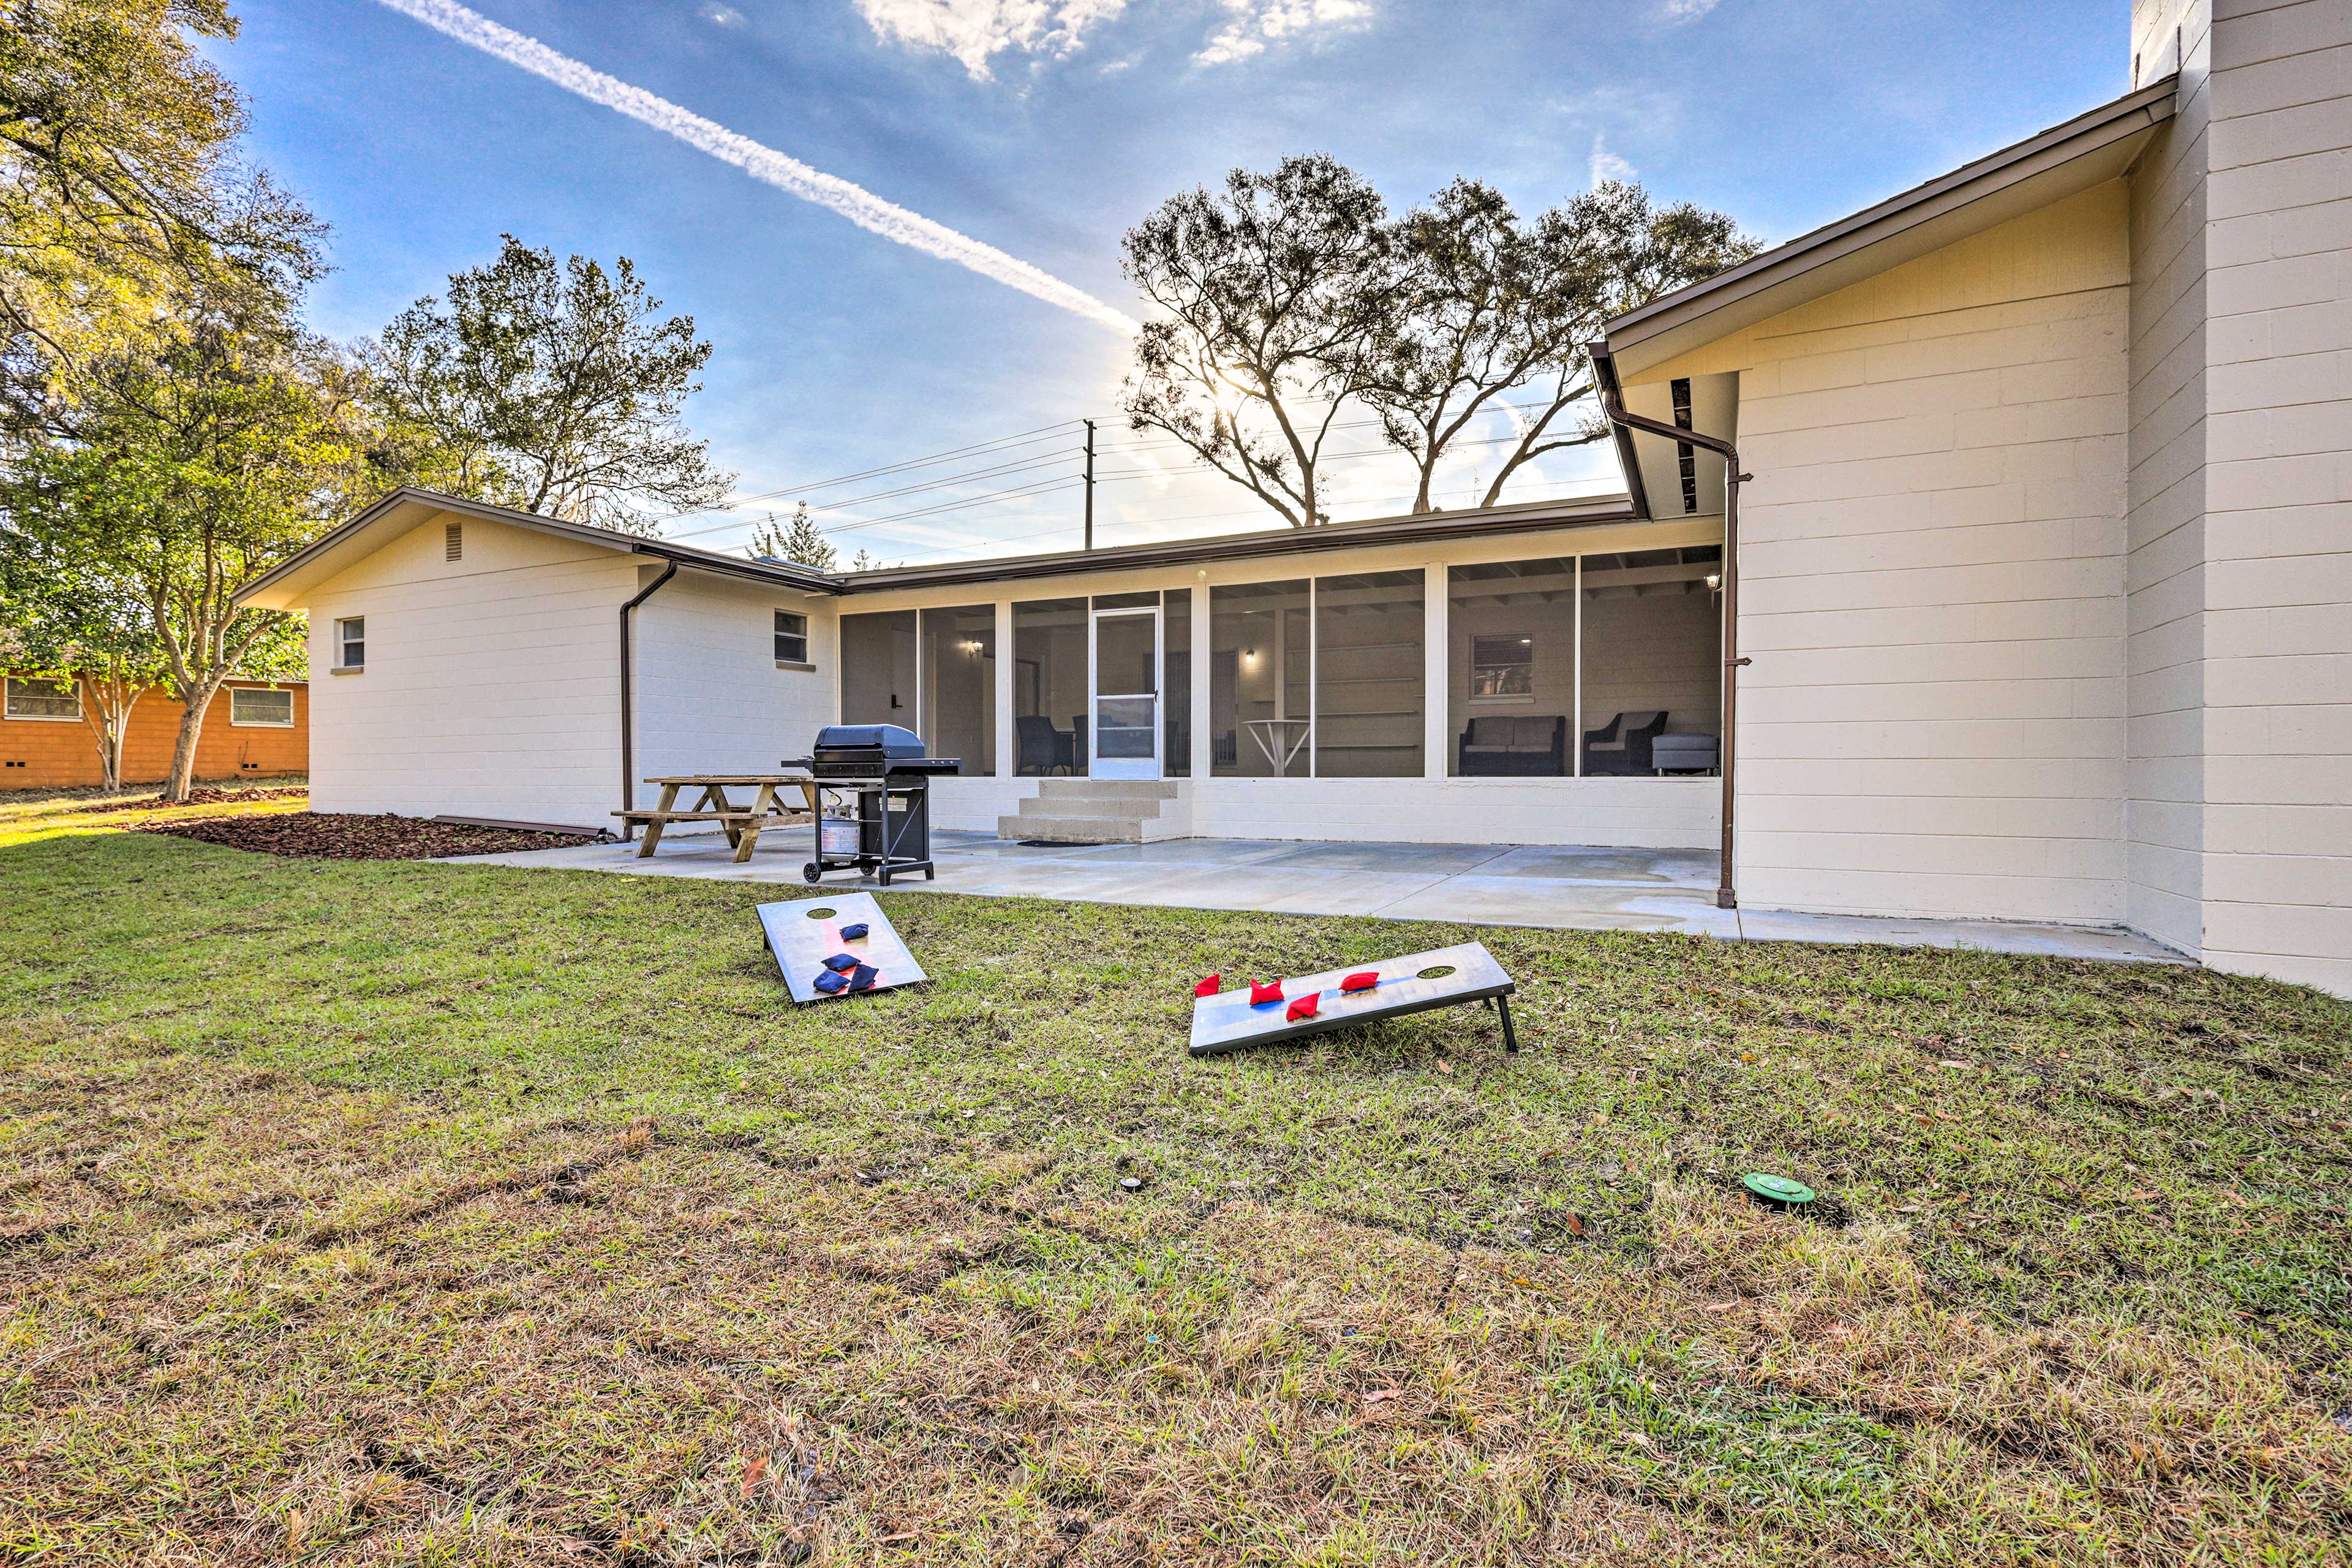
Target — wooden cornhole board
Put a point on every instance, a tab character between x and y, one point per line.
803	932
1226	1022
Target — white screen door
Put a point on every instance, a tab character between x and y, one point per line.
1127	694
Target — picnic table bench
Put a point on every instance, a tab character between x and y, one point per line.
740	823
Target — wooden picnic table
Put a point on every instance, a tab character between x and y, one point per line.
740	823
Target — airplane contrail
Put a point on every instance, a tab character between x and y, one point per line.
859	206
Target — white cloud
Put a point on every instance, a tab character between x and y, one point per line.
1679	11
1608	165
725	16
973	30
859	206
1252	26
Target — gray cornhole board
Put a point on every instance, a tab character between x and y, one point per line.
1226	1022
803	932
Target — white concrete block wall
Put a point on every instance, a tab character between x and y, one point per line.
709	696
492	682
1932	579
2278	494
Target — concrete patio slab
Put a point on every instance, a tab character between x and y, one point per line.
1559	888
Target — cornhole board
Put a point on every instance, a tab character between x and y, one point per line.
803	932
1226	1022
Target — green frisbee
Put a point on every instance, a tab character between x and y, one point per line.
1780	1189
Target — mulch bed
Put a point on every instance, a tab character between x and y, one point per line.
353	838
199	797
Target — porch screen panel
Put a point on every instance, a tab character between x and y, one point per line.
1049	687
1653	657
1176	683
1260	693
877	669
958	693
1510	668
1369	675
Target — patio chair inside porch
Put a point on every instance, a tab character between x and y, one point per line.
1622	745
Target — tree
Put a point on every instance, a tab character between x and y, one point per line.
186	468
1493	307
552	388
70	616
119	189
1277	292
798	541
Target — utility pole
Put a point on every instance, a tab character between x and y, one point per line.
1090	482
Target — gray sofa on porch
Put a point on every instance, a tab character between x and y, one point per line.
1519	746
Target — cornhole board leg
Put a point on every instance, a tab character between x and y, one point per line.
801	933
1226	1022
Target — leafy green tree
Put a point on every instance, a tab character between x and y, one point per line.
799	539
1495	306
552	388
185	468
70	616
119	189
1275	293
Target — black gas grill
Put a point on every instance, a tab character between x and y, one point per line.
884	768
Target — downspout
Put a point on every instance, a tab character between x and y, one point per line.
628	702
1604	377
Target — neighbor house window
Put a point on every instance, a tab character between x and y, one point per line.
251	706
350	643
791	637
44	698
1502	666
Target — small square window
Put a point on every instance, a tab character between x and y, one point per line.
791	637
254	707
44	698
1502	666
350	643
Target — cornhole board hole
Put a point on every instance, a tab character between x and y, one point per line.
1416	983
803	932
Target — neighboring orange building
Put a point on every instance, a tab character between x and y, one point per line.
254	729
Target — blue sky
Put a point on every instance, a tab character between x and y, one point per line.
1044	129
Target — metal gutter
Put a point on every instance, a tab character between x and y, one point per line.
1605	378
1485	520
628	700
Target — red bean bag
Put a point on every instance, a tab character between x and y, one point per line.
1304	1007
1265	990
1209	987
1363	980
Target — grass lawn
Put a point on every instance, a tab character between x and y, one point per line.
419	1213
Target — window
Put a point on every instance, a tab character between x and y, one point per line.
453	541
1510	677
1653	665
44	698
791	637
1049	687
959	687
1259	686
350	643
1370	672
252	706
1176	683
1502	666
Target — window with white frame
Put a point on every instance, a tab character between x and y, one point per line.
791	637
1502	666
254	707
44	698
350	643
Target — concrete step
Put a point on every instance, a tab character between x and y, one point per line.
1072	829
1089	805
1111	789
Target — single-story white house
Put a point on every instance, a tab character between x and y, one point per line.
2041	584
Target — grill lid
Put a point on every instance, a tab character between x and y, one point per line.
869	739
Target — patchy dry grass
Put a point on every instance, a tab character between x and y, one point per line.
370	1213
